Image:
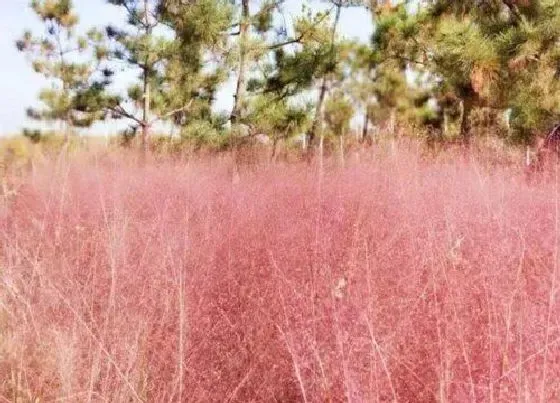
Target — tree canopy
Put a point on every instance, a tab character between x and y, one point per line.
435	68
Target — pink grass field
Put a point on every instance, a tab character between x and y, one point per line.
396	279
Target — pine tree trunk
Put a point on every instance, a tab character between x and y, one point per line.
274	154
65	88
341	149
145	125
321	152
66	131
507	119
393	122
145	135
366	125
317	120
241	88
466	109
146	93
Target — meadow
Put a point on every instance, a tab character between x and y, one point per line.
396	278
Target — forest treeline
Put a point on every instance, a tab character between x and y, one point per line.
441	70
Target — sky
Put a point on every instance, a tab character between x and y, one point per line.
20	85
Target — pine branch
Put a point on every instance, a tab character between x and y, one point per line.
301	36
184	108
123	113
269	7
264	10
286	43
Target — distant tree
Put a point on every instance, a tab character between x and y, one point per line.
260	36
331	66
298	71
252	32
396	54
139	47
241	86
338	113
279	118
197	65
391	95
167	43
294	72
362	71
62	57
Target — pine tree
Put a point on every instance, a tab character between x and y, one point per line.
338	113
197	63
258	40
378	73
251	31
167	41
139	47
533	67
241	86
277	116
496	54
337	5
360	86
292	73
62	57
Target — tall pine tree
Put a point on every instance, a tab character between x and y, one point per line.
62	57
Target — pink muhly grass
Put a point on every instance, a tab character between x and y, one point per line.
393	279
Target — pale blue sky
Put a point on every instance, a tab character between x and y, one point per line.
19	85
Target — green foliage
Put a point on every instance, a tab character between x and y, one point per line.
338	113
498	54
33	135
446	66
168	42
278	118
57	12
297	72
204	132
61	57
138	46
